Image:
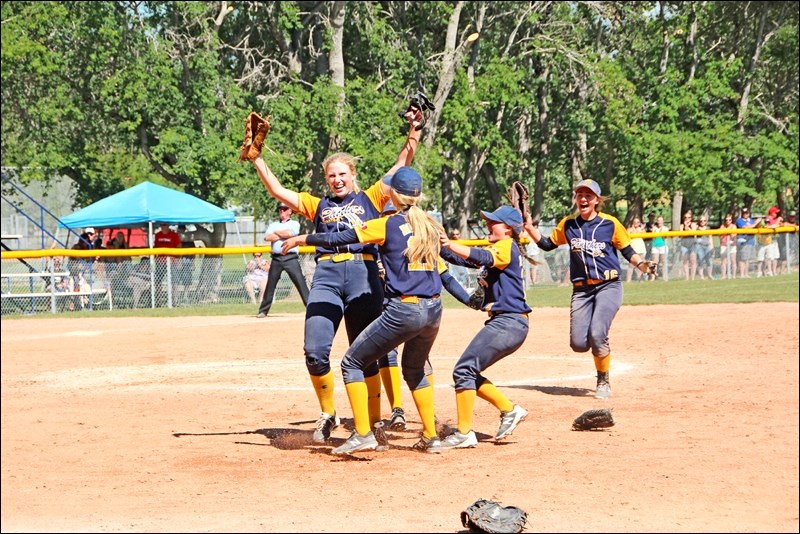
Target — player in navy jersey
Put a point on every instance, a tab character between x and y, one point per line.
594	239
408	243
503	333
346	283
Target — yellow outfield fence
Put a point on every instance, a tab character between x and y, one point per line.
62	280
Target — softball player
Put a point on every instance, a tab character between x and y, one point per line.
594	239
390	375
408	243
504	331
346	283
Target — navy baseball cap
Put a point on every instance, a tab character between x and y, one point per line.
506	215
591	185
405	181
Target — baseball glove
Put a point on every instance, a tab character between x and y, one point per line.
419	102
652	267
518	197
256	129
593	420
489	516
476	298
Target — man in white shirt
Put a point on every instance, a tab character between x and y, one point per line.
289	262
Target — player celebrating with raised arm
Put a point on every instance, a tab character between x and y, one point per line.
503	333
408	242
346	283
594	239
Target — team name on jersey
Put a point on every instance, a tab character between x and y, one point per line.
350	215
595	248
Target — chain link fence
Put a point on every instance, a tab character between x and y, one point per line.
60	284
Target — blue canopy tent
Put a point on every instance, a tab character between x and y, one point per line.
146	204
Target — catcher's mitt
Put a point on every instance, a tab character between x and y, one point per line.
593	420
518	198
256	129
489	516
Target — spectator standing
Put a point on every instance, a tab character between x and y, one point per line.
768	251
705	251
648	227
658	247
746	243
255	278
785	243
689	247
277	233
184	269
534	252
166	237
727	249
639	247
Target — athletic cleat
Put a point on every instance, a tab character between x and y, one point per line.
457	440
510	420
603	387
357	442
430	445
398	419
603	391
325	424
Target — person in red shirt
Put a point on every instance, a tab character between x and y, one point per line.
165	237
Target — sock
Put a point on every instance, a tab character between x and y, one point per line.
323	385
423	398
391	383
491	394
374	398
359	402
602	363
465	404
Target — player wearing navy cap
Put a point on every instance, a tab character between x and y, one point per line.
408	242
594	239
346	283
503	333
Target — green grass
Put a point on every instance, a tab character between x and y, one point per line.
782	288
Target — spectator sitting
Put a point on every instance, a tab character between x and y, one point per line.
139	280
256	275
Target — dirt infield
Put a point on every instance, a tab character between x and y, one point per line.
203	424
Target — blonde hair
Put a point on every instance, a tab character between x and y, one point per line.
346	159
423	246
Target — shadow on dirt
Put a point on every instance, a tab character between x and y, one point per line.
558	390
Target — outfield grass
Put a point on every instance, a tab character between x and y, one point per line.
782	288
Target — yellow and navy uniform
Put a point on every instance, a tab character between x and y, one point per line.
412	316
391	234
593	247
334	214
501	275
